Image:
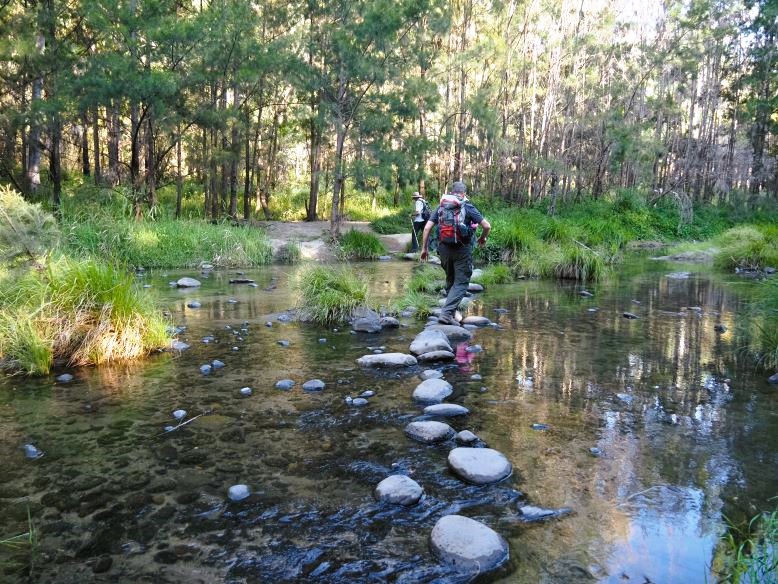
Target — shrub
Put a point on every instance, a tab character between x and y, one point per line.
358	245
81	312
329	295
27	232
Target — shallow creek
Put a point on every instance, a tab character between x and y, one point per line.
650	433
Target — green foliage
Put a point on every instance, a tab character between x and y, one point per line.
27	232
397	222
83	312
358	245
495	274
427	278
289	253
167	242
420	303
751	247
750	553
580	263
329	295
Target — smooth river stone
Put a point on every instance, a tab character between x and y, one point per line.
454	333
474	287
64	378
284	384
446	410
428	341
432	391
238	492
429	432
179	346
313	385
387	360
389	322
436	356
466	437
479	466
399	490
477	321
187	283
773	379
467	545
431	374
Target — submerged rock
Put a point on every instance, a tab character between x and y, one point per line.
630	315
179	414
193	304
313	385
479	466
432	391
430	340
532	513
466	437
773	379
387	360
389	322
359	402
585	294
429	432
64	378
187	283
446	410
179	346
246	391
467	545
540	427
398	490
216	364
283	343
431	374
238	492
436	356
205	369
31	451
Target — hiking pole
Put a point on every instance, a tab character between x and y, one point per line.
413	232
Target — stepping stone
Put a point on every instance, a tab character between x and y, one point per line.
431	374
446	410
313	385
475	287
436	356
188	283
480	466
477	321
466	438
428	341
216	364
387	360
238	492
193	304
429	432
467	545
359	402
454	333
398	490
389	322
179	346
432	391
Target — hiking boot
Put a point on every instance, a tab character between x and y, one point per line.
448	319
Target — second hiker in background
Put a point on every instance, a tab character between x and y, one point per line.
419	217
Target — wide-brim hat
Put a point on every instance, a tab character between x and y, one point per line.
416	196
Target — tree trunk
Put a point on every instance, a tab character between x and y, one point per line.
83	135
96	144
179	172
33	176
114	131
234	155
337	185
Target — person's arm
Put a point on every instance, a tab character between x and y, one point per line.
485	229
425	240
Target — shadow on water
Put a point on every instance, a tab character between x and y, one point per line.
649	431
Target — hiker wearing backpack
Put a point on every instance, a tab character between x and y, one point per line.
421	213
454	217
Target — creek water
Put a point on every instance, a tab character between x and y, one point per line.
685	435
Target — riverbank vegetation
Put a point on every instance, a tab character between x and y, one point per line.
329	295
358	245
749	554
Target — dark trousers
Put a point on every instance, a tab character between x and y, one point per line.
418	231
457	261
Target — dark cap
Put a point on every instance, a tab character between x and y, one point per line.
459	187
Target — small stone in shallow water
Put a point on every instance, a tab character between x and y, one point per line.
474	349
432	391
322	340
179	346
585	294
283	343
368	393
205	369
238	492
349	400
479	466
540	426
147	285
476	377
232	301
246	391
532	513
466	437
179	414
446	410
269	324
387	360
31	451
187	283
193	304
398	490
467	545
720	328
253	285
313	385
594	451
389	322
477	320
435	356
501	310
431	374
773	379
64	378
359	402
285	384
236	349
630	315
169	428
216	364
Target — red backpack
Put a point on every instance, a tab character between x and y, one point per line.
452	226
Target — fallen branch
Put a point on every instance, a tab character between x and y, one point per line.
182	424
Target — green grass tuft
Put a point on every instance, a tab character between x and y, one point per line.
330	295
749	554
750	247
289	253
495	274
358	245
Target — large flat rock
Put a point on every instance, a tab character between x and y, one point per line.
446	410
479	466
429	432
453	333
467	545
428	340
432	391
187	282
383	360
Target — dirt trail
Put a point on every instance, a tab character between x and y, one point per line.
314	237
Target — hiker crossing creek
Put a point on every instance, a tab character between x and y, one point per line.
377	454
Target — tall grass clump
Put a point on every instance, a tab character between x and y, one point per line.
749	555
427	278
580	263
762	326
77	312
329	295
358	245
289	253
749	247
495	274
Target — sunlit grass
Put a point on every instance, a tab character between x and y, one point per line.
329	295
358	245
750	553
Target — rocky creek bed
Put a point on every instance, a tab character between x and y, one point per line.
554	441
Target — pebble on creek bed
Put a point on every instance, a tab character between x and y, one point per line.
238	492
399	490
